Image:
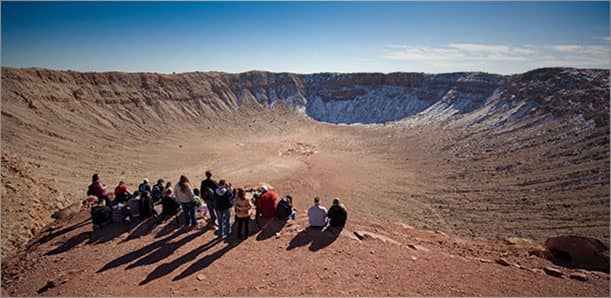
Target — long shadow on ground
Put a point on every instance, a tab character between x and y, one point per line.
55	234
134	255
316	238
269	228
167	268
70	243
144	227
166	249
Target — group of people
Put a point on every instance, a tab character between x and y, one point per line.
216	199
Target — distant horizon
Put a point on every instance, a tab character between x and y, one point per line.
300	73
306	37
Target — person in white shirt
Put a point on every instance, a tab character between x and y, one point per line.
186	199
317	215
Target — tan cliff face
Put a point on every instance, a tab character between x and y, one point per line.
59	127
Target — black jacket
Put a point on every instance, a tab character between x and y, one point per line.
207	183
337	215
225	201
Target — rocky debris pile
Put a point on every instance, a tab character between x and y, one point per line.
301	149
578	252
37	198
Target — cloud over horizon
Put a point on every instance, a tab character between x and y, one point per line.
461	55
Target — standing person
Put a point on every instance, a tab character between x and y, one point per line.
98	189
144	186
242	212
337	214
207	188
224	200
317	215
184	196
157	192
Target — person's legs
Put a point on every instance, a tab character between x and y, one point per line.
210	206
185	212
239	222
219	217
227	220
246	221
192	215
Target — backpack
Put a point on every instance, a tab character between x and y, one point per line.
133	205
284	209
157	192
100	215
119	212
198	201
90	190
208	194
169	206
146	206
225	201
142	188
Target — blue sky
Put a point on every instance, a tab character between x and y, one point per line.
498	37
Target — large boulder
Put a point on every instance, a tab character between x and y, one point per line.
578	252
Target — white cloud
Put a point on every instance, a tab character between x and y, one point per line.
462	55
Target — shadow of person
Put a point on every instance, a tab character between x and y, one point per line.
138	253
52	235
165	250
166	268
70	243
109	232
301	239
209	259
144	227
270	227
316	237
325	238
170	226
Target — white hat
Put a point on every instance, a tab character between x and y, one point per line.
263	188
146	180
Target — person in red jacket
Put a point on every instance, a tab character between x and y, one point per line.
267	202
121	192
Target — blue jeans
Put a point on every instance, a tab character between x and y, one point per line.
211	209
189	210
224	221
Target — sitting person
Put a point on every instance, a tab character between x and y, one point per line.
98	189
285	209
144	186
146	205
157	191
266	202
169	207
317	215
337	214
100	214
133	206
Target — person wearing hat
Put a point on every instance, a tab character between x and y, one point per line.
317	215
267	202
144	186
337	214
